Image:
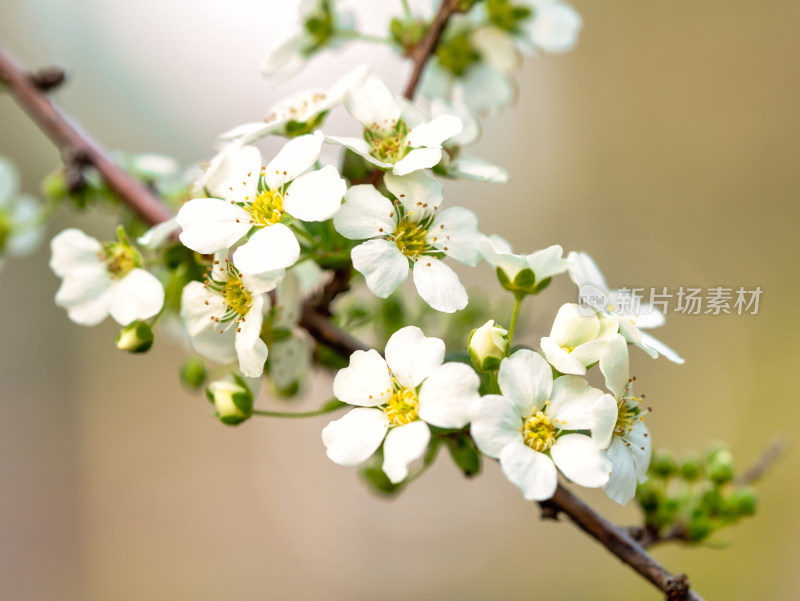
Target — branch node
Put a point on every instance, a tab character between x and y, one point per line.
677	588
48	78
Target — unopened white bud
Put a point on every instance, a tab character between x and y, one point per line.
232	400
136	337
487	346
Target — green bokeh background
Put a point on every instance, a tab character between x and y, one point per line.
666	145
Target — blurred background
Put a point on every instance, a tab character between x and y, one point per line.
666	145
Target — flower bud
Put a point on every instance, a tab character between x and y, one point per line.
720	466
487	346
232	400
193	373
664	464
136	337
743	501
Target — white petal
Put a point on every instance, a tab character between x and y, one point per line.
271	248
583	270
634	335
572	403
496	423
476	169
486	89
532	472
366	213
9	180
614	364
455	231
139	295
26	234
604	414
212	224
497	48
418	158
661	348
315	196
233	174
263	282
548	262
198	305
641	449
449	396
497	252
353	438
72	250
85	294
439	286
382	264
433	133
560	358
365	382
285	59
403	445
247	133
580	460
251	350
296	157
555	27
621	486
373	104
360	147
527	380
157	235
412	356
420	193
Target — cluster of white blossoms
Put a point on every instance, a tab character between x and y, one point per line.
254	238
21	223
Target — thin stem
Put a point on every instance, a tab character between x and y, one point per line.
514	316
290	414
357	36
407	9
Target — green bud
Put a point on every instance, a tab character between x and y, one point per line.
721	468
690	469
743	501
488	346
650	495
136	337
193	373
664	464
457	54
232	400
698	529
408	32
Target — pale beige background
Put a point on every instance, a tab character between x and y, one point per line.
666	145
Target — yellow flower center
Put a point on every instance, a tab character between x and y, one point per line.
388	145
237	297
402	407
626	418
538	432
410	238
267	208
120	259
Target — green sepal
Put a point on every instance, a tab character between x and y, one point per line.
465	454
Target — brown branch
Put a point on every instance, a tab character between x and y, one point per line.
427	45
620	543
71	141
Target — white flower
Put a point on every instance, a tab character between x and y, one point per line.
454	162
316	28
20	229
224	315
388	142
409	233
531	427
247	195
101	279
397	398
631	314
486	83
619	427
577	340
299	114
554	27
159	234
524	273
